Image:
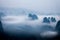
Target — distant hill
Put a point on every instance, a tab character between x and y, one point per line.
22	11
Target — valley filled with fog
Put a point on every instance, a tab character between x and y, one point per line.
22	23
30	17
17	21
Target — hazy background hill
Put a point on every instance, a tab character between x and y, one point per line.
22	11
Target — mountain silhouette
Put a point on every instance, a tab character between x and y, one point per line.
53	19
33	16
58	26
46	20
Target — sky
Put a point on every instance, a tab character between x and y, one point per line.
44	6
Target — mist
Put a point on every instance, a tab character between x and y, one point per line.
41	6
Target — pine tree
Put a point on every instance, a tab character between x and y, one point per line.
46	20
33	16
53	19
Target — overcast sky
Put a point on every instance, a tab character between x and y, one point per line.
38	5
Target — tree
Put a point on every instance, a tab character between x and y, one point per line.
33	16
53	19
46	20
